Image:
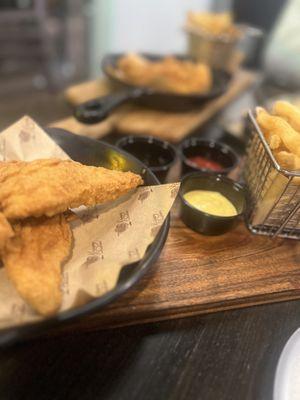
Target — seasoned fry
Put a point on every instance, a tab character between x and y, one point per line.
272	138
275	142
281	135
288	160
289	112
273	125
51	186
33	258
290	138
215	24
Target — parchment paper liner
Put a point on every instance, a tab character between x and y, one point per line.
106	237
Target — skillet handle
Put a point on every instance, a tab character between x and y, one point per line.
98	109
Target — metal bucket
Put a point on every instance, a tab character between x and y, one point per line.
218	52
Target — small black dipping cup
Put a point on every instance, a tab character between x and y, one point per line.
156	154
210	150
203	222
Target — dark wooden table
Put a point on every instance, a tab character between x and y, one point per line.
230	355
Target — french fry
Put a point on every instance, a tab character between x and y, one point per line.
275	142
273	139
215	24
288	112
287	160
280	131
274	125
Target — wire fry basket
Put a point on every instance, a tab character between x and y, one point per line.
274	208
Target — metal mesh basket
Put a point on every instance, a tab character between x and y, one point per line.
274	192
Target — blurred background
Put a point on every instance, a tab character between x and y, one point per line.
46	45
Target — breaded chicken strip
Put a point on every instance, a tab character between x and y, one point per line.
10	168
33	259
51	186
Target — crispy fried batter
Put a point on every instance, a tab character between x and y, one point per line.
33	258
169	74
6	231
9	168
50	186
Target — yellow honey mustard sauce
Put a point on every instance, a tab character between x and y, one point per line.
213	203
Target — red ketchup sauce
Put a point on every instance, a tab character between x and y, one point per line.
202	162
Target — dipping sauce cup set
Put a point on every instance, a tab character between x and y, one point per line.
211	203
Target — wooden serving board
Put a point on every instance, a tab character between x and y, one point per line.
199	274
131	119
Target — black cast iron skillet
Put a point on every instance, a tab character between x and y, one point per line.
93	152
96	110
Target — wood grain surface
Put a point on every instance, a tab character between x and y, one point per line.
131	119
199	274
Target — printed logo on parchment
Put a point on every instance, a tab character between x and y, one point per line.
134	254
95	254
124	223
88	217
144	194
65	283
2	149
24	136
101	287
173	190
17	310
158	219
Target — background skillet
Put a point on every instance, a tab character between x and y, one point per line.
96	110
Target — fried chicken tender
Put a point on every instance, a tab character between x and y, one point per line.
135	69
6	231
9	168
33	259
168	74
182	77
51	186
288	112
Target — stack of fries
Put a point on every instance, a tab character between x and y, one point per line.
213	24
281	129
